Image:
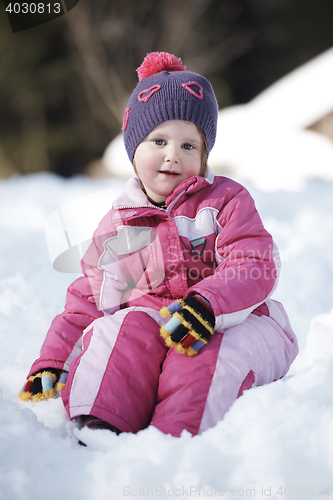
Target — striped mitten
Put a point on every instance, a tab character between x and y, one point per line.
44	384
191	325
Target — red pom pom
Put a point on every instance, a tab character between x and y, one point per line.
155	62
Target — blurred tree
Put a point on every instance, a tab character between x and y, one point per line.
64	85
34	81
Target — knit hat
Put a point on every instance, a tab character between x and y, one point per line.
166	91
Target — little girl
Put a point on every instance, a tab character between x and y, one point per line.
172	319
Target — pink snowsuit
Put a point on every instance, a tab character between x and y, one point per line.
210	241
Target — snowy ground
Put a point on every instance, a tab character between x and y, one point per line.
276	441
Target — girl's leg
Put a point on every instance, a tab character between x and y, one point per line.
195	393
184	387
258	351
116	376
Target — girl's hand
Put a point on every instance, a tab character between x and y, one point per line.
44	384
191	325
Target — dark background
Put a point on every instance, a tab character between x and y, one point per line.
64	84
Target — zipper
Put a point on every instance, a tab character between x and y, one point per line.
138	207
167	211
172	204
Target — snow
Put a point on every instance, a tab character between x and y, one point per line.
302	97
276	441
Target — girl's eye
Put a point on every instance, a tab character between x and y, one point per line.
159	142
187	146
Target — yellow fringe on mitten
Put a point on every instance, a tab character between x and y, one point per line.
60	386
165	313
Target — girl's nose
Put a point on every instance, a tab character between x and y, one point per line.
171	155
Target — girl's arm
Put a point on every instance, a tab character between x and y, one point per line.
247	260
60	344
63	340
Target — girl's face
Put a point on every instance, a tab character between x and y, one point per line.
169	155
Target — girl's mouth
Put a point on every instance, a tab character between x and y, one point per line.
169	172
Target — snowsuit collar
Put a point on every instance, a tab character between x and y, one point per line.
133	195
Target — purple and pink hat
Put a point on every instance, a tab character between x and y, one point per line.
166	91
